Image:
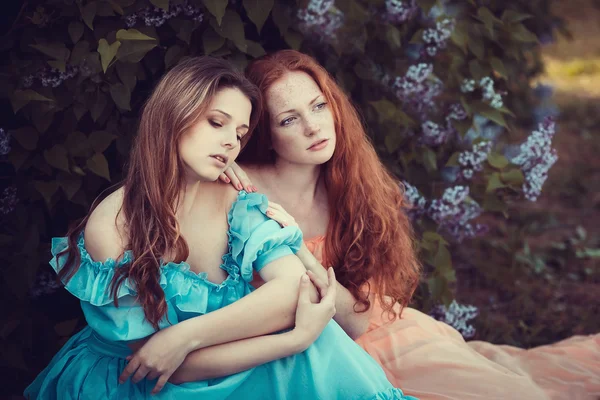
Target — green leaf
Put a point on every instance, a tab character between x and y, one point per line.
211	41
173	55
255	49
494	183
69	184
437	286
462	126
510	16
164	4
434	237
75	31
58	51
107	52
132	34
281	18
392	142
216	8
429	159
513	177
497	160
127	74
488	18
393	36
88	13
121	96
293	39
426	5
77	144
522	34
80	51
232	28
453	160
132	51
100	140
498	66
99	106
489	112
46	189
118	9
99	166
258	11
17	158
21	98
385	109
57	157
460	35
27	137
491	202
184	30
59	65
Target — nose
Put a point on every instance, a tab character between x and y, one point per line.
229	140
311	128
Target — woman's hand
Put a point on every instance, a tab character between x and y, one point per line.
158	358
311	318
238	178
277	213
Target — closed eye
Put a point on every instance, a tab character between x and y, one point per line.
215	124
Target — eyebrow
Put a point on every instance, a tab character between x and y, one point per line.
287	111
229	116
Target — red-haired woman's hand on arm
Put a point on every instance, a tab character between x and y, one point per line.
236	176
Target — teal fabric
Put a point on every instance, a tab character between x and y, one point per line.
89	364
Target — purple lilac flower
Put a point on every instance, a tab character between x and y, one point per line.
50	76
536	157
436	38
471	161
399	11
457	316
417	89
454	212
415	199
433	134
467	86
46	283
486	85
155	16
8	200
4	142
320	19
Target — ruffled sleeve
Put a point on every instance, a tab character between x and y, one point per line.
91	284
255	239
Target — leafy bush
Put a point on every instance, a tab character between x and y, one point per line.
440	85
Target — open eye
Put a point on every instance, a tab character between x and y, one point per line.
321	106
287	121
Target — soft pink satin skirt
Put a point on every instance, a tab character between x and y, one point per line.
430	360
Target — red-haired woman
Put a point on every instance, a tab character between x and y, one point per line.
311	157
168	258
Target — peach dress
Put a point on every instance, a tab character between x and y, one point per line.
430	360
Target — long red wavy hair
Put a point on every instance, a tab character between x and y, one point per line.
154	177
369	238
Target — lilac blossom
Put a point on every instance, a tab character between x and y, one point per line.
49	76
320	19
489	94
434	134
46	283
4	142
155	16
417	89
8	200
536	157
454	213
399	11
415	199
436	38
457	316
471	161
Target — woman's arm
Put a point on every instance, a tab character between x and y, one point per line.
352	322
230	358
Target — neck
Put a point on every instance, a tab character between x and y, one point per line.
187	197
298	181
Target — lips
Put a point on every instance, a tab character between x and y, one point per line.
317	143
220	157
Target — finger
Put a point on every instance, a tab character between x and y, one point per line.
224	178
152	375
304	294
242	176
277	216
321	285
129	369
161	383
332	290
140	374
235	182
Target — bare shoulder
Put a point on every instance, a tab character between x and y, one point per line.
104	232
223	194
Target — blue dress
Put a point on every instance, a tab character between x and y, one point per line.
89	364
